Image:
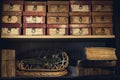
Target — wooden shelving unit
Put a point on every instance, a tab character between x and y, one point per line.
61	37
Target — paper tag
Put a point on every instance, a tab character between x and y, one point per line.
35	19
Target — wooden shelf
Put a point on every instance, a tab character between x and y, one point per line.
59	37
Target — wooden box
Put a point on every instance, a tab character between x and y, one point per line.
100	53
34	17
57	29
11	17
102	6
102	17
8	63
102	29
80	6
11	29
32	29
80	29
82	17
58	6
35	6
57	18
12	5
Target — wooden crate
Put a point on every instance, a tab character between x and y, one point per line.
9	5
102	6
80	6
58	6
102	29
82	17
57	29
34	17
10	29
35	6
80	29
57	18
31	29
11	17
102	17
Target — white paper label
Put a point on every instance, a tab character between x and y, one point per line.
10	19
34	31
84	8
35	8
8	7
83	31
55	31
10	31
35	19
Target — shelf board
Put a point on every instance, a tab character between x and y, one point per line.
59	37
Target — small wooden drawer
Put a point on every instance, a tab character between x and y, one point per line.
10	29
57	18
11	17
80	29
12	6
102	17
82	17
57	29
58	6
80	6
35	6
32	29
34	17
102	6
102	29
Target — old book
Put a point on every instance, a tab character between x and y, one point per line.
7	63
100	53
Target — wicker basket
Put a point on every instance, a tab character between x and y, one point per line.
41	74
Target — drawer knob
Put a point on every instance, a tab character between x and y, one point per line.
57	30
102	30
102	7
58	7
102	18
33	30
9	18
80	19
57	19
10	6
80	7
35	7
80	31
9	30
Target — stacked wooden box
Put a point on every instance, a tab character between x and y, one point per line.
102	17
11	17
57	17
80	17
34	18
8	63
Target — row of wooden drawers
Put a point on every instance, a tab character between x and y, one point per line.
56	18
57	6
43	29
